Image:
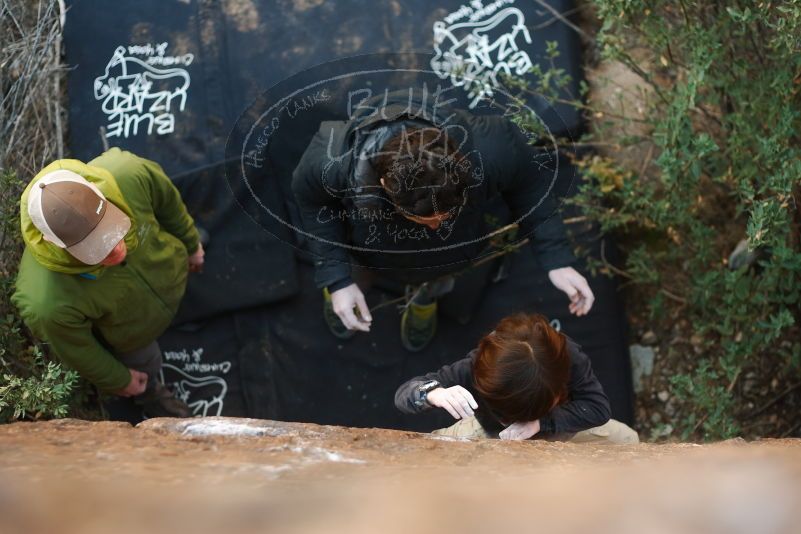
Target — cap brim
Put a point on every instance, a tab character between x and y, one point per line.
96	246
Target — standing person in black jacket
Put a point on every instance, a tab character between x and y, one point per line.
525	379
403	188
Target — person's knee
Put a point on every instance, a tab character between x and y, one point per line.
613	431
465	428
622	433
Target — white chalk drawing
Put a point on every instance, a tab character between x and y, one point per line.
556	324
205	395
141	90
475	43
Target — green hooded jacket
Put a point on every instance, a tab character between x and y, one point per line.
88	313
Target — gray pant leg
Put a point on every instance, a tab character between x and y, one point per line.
433	290
147	360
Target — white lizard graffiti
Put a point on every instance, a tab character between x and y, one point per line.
205	395
464	52
135	93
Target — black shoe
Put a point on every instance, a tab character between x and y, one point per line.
160	402
332	319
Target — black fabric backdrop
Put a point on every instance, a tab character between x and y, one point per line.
249	339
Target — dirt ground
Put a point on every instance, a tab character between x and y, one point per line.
240	475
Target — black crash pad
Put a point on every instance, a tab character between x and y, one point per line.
168	80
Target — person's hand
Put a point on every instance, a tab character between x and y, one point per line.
136	386
456	400
520	431
344	301
567	279
196	260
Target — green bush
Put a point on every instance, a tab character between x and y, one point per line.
30	386
723	119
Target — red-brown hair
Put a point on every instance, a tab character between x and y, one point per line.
522	368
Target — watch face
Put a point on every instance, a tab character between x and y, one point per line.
422	392
425	388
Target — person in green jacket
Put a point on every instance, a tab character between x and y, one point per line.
108	248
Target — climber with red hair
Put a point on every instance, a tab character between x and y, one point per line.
524	379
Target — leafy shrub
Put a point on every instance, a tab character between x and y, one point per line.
30	385
723	120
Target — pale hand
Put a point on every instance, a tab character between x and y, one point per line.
344	301
520	431
196	260
136	386
575	286
456	400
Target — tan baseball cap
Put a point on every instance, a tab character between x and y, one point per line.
73	214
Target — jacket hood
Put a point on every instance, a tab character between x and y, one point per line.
53	257
377	119
414	103
416	106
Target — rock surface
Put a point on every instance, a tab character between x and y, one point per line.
240	475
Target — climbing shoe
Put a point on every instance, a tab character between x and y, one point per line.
332	319
418	325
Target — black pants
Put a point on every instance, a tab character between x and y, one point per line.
147	360
459	304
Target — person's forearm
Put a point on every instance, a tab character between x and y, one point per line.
534	199
455	374
169	207
552	252
575	416
93	363
339	284
589	405
70	338
589	408
406	397
325	243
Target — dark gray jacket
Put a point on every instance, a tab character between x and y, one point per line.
587	406
345	212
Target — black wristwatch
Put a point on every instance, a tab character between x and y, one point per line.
422	393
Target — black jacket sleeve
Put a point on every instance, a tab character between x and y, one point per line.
528	187
456	374
318	210
587	406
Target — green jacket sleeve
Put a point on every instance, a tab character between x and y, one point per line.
69	335
169	208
